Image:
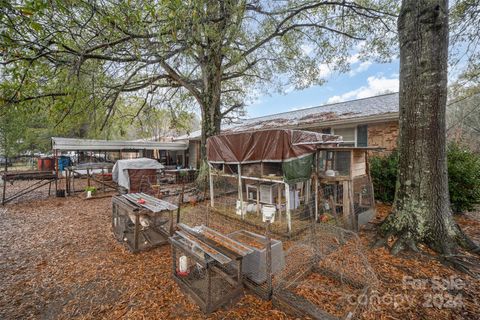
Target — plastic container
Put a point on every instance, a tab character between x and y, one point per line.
268	213
46	164
63	162
254	265
243	208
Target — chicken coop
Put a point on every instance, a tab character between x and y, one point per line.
269	170
300	175
207	266
344	186
141	221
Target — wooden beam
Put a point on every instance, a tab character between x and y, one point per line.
287	198
240	191
212	194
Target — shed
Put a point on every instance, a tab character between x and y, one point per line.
136	175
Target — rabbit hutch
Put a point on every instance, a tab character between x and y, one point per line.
344	185
141	221
207	266
263	173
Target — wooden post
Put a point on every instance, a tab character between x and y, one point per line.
212	201
258	198
55	161
5	180
346	202
279	201
170	231
287	199
209	288
88	177
73	182
180	201
269	260
315	179
136	232
240	189
353	215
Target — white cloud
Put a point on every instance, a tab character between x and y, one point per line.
363	66
376	86
353	58
325	70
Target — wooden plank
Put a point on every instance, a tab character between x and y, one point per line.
207	249
226	242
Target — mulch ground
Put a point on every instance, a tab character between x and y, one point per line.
59	260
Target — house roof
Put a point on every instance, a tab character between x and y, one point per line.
378	108
69	144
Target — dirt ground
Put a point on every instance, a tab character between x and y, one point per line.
59	260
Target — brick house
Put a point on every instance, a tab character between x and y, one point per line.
363	122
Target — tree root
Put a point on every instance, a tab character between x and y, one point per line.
459	264
465	242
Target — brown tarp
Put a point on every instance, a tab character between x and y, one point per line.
266	145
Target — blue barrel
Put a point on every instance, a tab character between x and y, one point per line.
63	162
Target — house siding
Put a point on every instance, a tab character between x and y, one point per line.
383	135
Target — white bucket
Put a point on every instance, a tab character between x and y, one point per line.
268	213
244	207
183	264
89	194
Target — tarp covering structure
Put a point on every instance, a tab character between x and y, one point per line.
121	167
294	148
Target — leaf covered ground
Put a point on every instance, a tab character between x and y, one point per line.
59	260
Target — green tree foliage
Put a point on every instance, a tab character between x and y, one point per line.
383	170
463	177
207	53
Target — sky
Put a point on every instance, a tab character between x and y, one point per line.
365	79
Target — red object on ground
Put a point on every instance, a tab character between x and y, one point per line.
141	201
182	274
46	164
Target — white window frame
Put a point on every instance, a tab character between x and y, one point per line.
347	127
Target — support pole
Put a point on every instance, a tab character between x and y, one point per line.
210	176
269	260
5	180
287	199
315	179
279	201
240	191
258	199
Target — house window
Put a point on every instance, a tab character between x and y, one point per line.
353	136
326	130
362	136
348	135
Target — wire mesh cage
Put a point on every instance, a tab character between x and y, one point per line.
324	273
140	228
207	266
250	200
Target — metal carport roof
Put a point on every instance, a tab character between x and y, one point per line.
72	144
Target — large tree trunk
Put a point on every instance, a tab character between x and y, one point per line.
421	211
212	70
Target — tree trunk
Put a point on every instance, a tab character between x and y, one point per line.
421	211
212	69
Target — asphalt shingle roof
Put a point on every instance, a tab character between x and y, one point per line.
372	106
